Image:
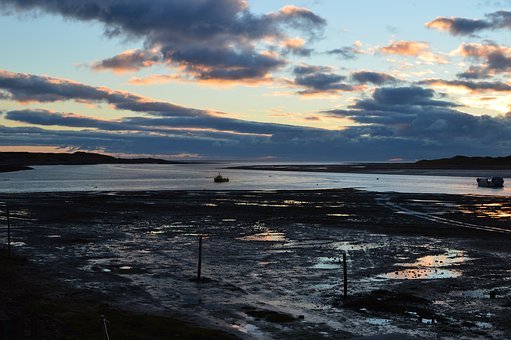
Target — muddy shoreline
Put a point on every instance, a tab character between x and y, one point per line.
385	169
418	264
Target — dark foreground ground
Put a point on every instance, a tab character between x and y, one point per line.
418	265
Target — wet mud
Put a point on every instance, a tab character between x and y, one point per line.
418	265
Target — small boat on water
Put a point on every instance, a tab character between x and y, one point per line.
491	182
220	179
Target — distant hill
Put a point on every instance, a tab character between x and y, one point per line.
454	163
13	161
463	162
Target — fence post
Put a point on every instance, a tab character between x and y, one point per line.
8	230
104	322
199	265
345	272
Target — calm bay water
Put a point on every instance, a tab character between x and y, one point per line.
200	177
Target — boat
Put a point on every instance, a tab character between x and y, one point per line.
491	182
220	179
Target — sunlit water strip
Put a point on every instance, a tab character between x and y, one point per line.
140	177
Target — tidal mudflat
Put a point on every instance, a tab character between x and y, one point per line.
418	264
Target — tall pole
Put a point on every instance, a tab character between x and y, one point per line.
8	231
345	272
199	265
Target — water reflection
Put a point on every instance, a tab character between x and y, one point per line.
451	257
139	177
422	274
269	236
430	267
495	210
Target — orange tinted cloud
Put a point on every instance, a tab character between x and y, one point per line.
128	61
186	78
413	49
293	43
480	51
405	48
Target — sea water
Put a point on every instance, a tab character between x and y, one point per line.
141	177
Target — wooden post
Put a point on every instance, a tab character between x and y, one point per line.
199	265
104	323
345	272
8	231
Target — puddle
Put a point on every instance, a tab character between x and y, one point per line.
484	325
476	293
18	244
428	321
422	274
327	263
491	210
259	204
265	237
294	202
156	232
339	215
450	258
378	321
348	246
430	267
106	266
324	286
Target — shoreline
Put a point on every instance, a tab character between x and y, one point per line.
369	169
268	258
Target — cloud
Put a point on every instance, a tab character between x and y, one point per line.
406	122
405	48
51	118
472	86
495	60
206	39
413	49
376	78
155	79
345	52
415	115
383	132
463	26
128	61
23	87
320	80
296	46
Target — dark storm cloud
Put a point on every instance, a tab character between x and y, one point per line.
376	78
463	26
405	122
183	125
319	80
218	62
402	99
394	122
49	118
412	114
27	88
210	38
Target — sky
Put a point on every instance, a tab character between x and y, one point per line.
310	80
